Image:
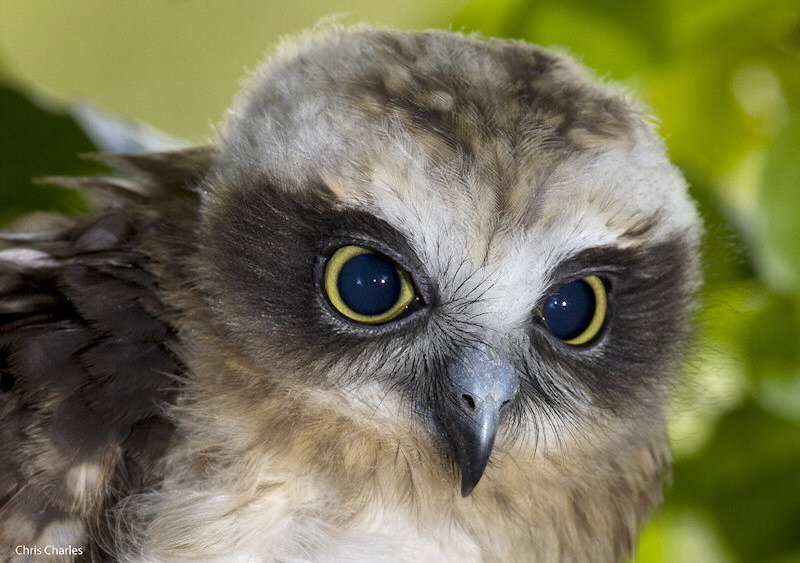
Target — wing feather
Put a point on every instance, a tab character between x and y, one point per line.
87	360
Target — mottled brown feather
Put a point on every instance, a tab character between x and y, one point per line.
86	359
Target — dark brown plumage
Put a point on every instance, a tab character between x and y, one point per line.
86	358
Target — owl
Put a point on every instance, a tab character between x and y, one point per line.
423	299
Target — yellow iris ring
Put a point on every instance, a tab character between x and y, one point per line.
600	306
331	277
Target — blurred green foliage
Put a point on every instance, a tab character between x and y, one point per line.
723	79
35	143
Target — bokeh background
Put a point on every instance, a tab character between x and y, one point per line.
723	80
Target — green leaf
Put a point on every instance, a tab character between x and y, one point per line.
603	43
35	142
747	479
779	252
681	536
772	344
612	37
724	258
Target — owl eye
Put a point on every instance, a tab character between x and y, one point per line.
365	286
575	312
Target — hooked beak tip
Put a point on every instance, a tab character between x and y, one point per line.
466	488
473	454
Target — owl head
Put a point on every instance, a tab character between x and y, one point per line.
432	266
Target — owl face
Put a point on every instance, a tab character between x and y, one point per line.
467	234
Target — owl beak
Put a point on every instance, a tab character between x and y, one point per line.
484	383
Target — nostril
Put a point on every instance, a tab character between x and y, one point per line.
504	404
468	402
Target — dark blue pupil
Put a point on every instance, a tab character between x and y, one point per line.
569	310
369	284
